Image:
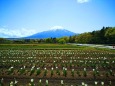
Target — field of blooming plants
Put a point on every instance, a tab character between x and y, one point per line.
56	65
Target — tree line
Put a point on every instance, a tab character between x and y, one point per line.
104	36
61	40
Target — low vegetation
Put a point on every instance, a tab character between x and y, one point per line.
49	64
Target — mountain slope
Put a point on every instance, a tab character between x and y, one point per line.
52	33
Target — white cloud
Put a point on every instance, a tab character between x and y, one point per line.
23	32
57	27
82	1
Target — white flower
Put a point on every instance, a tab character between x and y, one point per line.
62	82
24	67
93	69
84	69
29	84
46	81
102	83
56	67
40	81
16	82
52	68
65	68
11	83
96	82
70	61
12	67
110	82
33	67
45	68
2	79
110	70
32	80
83	83
72	69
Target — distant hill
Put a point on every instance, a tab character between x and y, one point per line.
52	33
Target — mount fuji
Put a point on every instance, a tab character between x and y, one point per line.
55	33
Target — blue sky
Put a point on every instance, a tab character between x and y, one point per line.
20	18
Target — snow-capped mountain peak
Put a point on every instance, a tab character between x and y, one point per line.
52	33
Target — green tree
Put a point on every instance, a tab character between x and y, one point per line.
72	39
2	40
48	40
61	41
5	41
54	40
66	39
110	35
84	38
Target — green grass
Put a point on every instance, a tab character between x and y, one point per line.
38	46
50	46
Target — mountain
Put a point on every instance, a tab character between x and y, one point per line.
52	33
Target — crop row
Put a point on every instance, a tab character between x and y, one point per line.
46	82
57	64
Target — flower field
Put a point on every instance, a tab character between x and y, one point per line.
57	66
